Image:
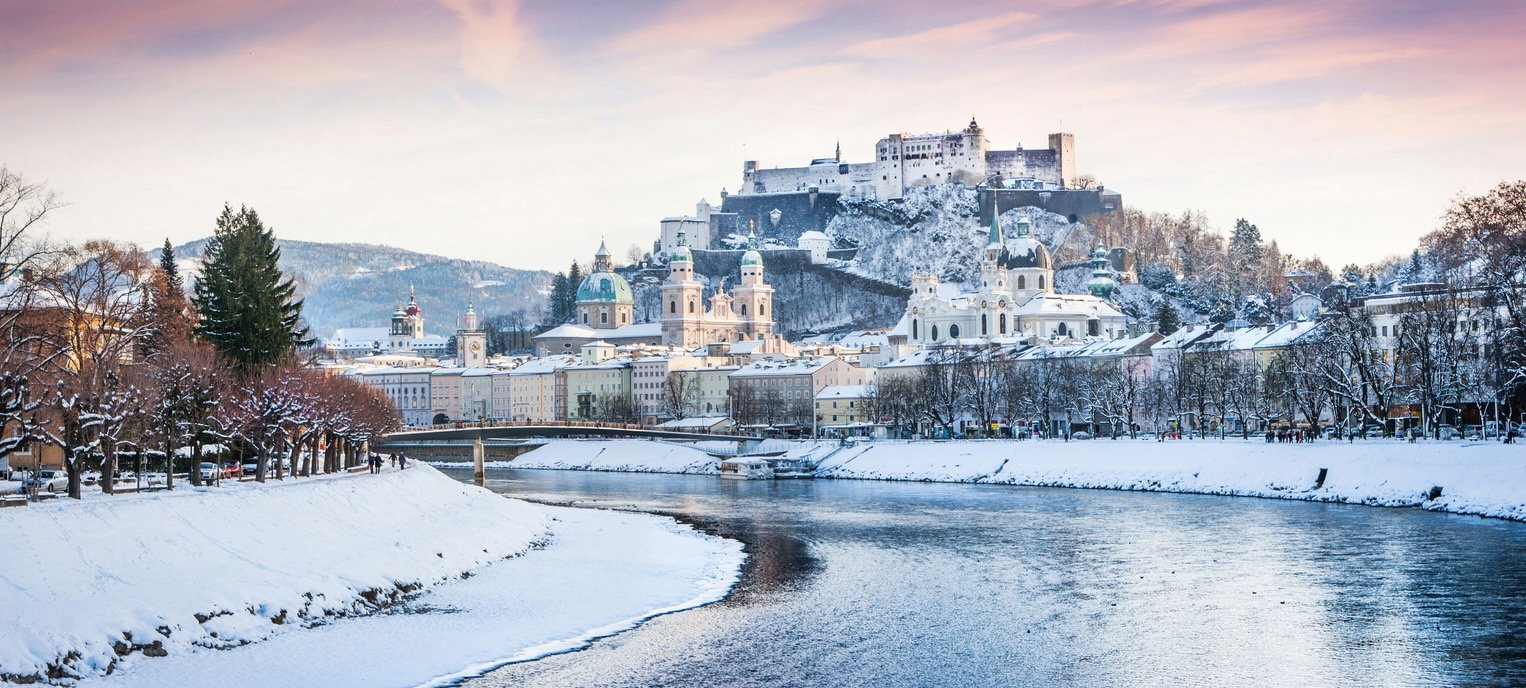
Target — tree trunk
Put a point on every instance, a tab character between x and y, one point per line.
109	469
169	464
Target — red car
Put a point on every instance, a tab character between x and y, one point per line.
232	469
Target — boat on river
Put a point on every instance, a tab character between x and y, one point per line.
747	468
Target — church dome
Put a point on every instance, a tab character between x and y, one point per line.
1024	251
752	258
605	287
413	309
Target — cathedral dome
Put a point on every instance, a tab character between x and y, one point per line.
752	257
413	309
605	287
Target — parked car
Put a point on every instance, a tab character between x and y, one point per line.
210	471
49	481
1473	432
1448	432
232	469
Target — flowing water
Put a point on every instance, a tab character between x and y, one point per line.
856	583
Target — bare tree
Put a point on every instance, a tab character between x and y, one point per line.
680	394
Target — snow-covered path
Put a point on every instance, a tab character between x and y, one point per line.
603	572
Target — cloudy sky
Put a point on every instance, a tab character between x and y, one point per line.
523	132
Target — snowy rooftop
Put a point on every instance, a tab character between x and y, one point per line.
846	392
802	366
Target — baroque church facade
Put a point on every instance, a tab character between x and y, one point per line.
1011	298
744	314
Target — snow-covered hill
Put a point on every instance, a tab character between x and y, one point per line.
358	285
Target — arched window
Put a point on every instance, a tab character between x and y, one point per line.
624	317
1022	282
691	306
1060	329
914	334
672	306
1093	327
1002	322
935	333
1041	281
762	310
744	310
953	331
585	318
983	324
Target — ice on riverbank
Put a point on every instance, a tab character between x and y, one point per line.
1487	479
104	585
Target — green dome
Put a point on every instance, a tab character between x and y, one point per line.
603	287
681	253
752	258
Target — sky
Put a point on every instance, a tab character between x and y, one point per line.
525	131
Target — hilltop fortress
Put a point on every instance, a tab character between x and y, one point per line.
904	161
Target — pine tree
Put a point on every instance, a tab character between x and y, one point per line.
554	313
247	308
1167	319
166	310
1246	255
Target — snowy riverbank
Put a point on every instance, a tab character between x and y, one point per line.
1486	479
114	585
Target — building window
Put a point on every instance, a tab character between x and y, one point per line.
1022	282
762	310
914	334
935	333
1041	281
603	318
983	331
744	310
585	318
953	331
691	306
672	306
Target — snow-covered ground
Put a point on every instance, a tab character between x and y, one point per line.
1483	478
631	456
1488	479
109	584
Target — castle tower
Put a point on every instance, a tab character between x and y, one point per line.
471	342
604	299
754	298
682	295
1064	147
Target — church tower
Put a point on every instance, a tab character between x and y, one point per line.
1030	268
471	341
682	299
754	297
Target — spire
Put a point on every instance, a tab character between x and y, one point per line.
601	259
995	238
752	239
681	240
603	250
839	150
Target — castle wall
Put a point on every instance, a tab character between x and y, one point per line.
1074	204
798	212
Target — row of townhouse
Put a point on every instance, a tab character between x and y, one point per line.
609	383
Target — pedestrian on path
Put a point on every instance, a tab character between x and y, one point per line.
402	461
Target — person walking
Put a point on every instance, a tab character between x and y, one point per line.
402	461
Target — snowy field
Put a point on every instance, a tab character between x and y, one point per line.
114	584
1482	478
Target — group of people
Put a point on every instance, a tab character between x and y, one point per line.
374	460
1290	435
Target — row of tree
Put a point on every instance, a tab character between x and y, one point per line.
105	356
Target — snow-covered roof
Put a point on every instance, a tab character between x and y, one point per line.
635	330
799	366
1084	305
845	392
543	365
567	330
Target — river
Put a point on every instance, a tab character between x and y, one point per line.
857	583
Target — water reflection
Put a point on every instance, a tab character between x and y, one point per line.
891	584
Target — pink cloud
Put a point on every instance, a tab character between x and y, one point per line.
953	37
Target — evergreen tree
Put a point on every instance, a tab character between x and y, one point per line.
246	304
1167	319
574	280
555	314
1246	255
166	310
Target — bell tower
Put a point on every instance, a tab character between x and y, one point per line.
471	342
755	298
683	306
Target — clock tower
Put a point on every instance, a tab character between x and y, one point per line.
471	341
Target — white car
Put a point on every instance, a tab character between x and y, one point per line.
49	481
210	471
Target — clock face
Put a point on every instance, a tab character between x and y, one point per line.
476	346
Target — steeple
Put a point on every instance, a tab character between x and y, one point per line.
471	314
1101	285
838	155
995	238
